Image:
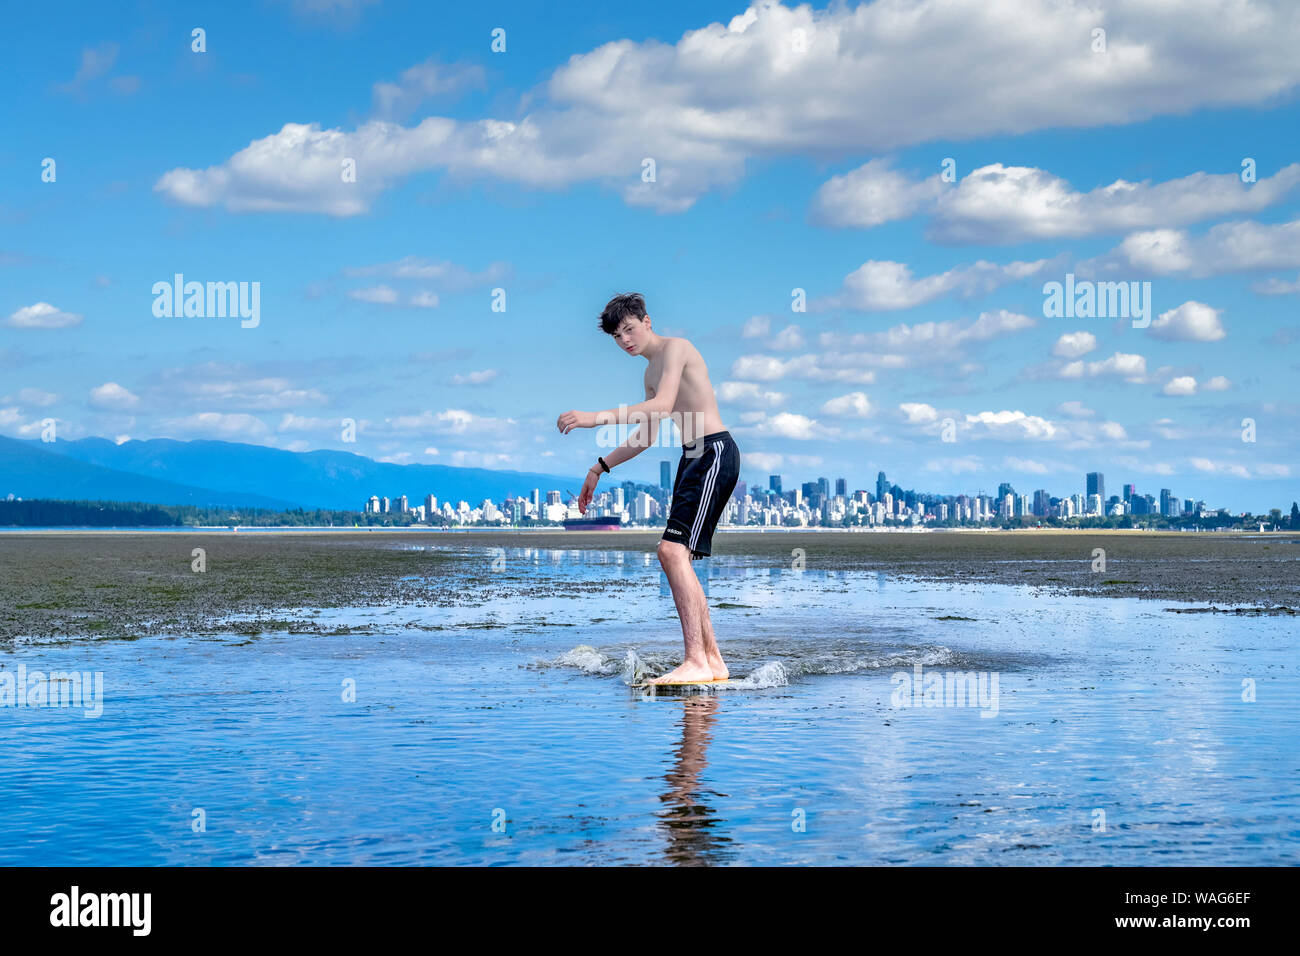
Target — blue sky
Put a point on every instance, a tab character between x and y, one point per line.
794	148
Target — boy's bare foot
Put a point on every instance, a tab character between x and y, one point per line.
687	671
718	668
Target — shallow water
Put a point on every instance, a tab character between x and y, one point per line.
501	731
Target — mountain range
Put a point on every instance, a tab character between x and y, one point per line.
205	472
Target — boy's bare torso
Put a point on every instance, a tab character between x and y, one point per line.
696	409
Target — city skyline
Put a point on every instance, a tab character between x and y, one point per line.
1006	503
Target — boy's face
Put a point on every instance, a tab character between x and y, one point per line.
632	334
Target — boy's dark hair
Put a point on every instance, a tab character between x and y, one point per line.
619	308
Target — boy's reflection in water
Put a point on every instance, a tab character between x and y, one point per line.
690	825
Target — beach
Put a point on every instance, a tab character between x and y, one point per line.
381	698
127	583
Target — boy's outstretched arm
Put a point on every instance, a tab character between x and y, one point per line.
637	442
652	409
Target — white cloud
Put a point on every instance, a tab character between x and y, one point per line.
475	378
871	195
788	425
42	315
1217	384
955	466
1275	286
852	405
1182	385
931	341
884	285
1074	409
230	385
918	413
482	459
749	394
1074	344
1131	368
1227	248
769	368
1189	322
36	396
449	275
300	423
378	294
727	93
1004	204
113	396
236	426
788	338
1027	465
762	460
422	81
1219	467
1011	426
452	421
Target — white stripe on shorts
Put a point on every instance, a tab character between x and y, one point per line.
706	495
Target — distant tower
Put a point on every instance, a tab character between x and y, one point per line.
882	487
665	474
774	483
1096	485
841	487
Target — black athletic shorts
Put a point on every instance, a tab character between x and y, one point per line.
706	476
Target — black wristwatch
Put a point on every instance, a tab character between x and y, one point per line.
602	464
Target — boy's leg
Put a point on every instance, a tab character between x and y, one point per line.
711	651
692	610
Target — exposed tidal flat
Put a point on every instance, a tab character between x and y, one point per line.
128	583
372	697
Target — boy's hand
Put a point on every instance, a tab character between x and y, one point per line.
588	489
571	420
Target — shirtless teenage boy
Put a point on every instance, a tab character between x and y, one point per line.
677	386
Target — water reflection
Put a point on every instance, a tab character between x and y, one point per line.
692	828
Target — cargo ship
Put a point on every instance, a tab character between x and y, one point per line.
612	523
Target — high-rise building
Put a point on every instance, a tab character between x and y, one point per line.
774	484
665	474
1005	489
841	487
1096	485
1129	491
882	487
824	487
1165	497
1042	501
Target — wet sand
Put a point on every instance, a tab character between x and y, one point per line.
126	583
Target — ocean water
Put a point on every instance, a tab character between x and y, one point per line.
500	729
